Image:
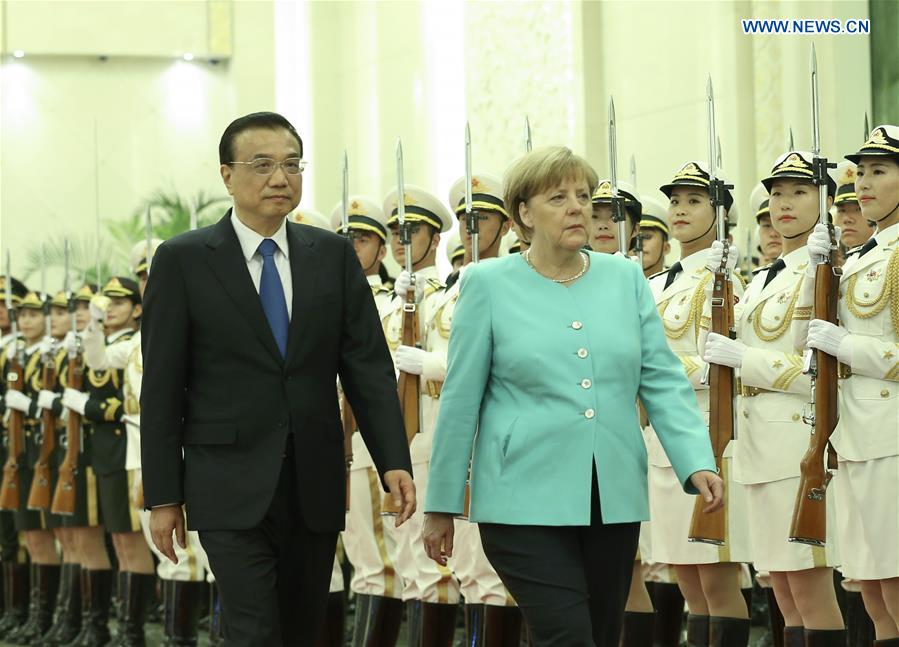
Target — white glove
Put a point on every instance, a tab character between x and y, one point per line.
48	345
416	361
131	420
819	247
71	343
98	306
716	253
401	286
74	400
832	339
11	349
724	351
45	399
17	400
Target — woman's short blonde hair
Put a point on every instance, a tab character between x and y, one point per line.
539	170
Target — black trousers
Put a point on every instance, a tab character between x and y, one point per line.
273	578
571	582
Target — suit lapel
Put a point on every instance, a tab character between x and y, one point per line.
229	266
304	262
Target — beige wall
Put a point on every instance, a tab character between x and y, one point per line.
357	75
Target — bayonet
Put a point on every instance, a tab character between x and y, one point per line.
867	129
97	201
148	235
528	145
345	195
618	214
471	216
194	208
790	145
633	172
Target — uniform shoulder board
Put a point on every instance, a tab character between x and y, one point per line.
854	250
435	284
652	276
763	268
383	289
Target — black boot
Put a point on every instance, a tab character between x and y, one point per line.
475	625
15	596
135	595
181	611
728	632
68	608
438	624
44	588
794	636
636	631
697	631
668	602
334	626
775	619
825	638
502	626
413	622
28	626
216	613
859	628
96	593
377	622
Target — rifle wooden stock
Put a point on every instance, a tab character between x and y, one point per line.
809	524
39	495
408	387
709	528
349	428
9	490
64	496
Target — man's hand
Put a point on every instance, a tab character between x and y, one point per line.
437	535
711	489
402	489
164	521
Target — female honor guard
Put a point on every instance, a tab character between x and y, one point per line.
604	238
708	576
773	436
35	525
855	230
101	404
865	343
770	242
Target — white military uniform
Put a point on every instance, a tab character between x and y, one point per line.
681	307
772	434
866	438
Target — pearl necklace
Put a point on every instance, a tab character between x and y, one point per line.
527	257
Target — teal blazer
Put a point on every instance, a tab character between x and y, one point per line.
542	384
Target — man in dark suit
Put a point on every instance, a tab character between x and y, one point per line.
247	325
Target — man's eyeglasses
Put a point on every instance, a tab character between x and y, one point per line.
267	166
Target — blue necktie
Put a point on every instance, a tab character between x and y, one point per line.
271	293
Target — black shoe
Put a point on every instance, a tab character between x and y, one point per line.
728	632
96	593
181	611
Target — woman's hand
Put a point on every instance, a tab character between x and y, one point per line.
437	535
711	489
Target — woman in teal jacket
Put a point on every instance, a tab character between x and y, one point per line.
549	352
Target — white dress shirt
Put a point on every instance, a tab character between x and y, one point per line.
249	244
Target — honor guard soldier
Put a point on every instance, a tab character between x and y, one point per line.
855	231
455	250
367	541
774	392
709	576
604	237
35	526
119	309
368	228
656	234
13	557
770	242
866	344
429	590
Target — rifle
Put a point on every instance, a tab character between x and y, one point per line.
809	523
64	496
349	420
409	385
617	204
39	495
709	528
15	379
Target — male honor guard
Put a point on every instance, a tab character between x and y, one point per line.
455	250
430	590
13	558
656	234
855	230
770	243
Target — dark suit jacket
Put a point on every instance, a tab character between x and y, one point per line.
216	388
